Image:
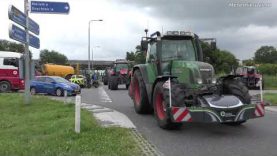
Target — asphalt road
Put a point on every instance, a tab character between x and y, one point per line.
255	138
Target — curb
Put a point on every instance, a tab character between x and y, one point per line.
271	108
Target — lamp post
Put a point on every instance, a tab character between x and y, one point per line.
92	56
99	20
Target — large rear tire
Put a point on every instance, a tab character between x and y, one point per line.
130	90
160	104
237	88
141	102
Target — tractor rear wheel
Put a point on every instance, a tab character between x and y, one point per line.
160	103
237	88
141	102
130	90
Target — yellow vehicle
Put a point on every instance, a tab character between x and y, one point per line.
58	70
78	79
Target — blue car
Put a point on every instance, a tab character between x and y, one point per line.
53	85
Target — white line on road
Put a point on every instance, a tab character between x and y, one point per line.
104	97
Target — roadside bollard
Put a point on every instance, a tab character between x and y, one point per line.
65	97
77	113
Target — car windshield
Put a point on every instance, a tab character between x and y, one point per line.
178	49
121	66
60	80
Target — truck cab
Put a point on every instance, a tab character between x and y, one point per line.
9	72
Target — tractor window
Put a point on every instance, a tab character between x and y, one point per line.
152	53
178	49
121	66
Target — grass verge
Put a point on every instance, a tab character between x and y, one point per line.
270	82
271	97
46	127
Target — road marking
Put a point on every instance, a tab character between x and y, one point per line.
104	97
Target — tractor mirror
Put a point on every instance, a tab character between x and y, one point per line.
144	45
213	45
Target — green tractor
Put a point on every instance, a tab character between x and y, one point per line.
179	87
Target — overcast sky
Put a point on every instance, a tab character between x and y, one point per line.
240	26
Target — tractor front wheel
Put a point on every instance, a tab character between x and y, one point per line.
237	88
160	103
113	83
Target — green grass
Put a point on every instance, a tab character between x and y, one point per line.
271	97
270	82
46	127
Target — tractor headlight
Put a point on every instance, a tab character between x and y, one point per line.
199	81
214	80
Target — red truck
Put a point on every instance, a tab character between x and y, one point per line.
9	72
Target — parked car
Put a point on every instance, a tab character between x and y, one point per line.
53	85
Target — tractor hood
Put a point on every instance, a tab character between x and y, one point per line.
193	72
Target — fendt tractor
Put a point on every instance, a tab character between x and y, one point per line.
179	87
119	74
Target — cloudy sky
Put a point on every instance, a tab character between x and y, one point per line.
240	26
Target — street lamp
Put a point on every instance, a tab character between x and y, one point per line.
92	55
99	20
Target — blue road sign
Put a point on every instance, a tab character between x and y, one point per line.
34	41
20	18
50	7
19	35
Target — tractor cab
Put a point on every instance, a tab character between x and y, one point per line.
178	54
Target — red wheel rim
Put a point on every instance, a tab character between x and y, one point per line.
131	89
160	106
136	91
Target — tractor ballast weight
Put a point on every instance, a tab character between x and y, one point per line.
180	87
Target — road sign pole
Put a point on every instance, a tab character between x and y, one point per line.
27	97
89	45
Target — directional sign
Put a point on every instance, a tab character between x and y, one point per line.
19	34
34	41
50	7
20	18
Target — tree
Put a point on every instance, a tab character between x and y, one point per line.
130	56
138	56
249	62
11	46
222	60
55	57
266	54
